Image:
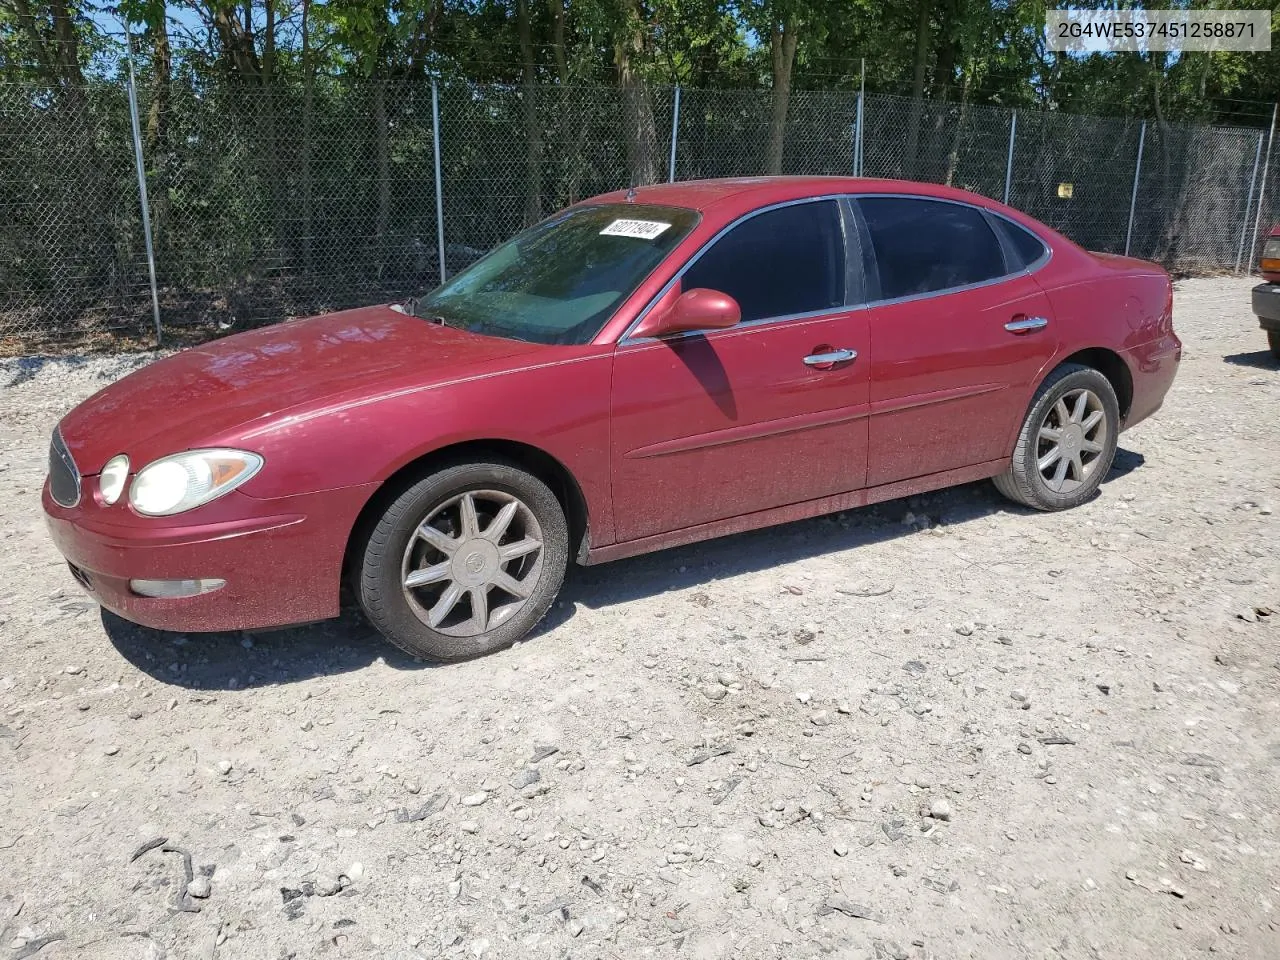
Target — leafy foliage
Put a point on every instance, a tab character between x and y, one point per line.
985	52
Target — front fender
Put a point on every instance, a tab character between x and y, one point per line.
559	405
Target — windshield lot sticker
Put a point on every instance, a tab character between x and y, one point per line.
640	229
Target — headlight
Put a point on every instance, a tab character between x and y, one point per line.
111	479
187	480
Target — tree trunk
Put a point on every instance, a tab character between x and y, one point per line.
304	159
272	153
92	236
948	52
157	132
571	158
532	131
951	16
237	44
269	44
911	164
48	67
782	47
953	158
161	85
68	51
383	154
637	110
557	39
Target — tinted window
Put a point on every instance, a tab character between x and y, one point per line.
560	281
924	245
1027	247
778	263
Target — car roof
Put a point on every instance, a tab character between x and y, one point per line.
747	193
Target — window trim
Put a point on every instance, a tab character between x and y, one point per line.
857	243
842	215
947	291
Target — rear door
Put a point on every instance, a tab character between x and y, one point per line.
771	412
959	333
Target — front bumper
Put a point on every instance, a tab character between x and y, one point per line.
281	559
1266	305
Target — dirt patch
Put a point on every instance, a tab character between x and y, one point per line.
943	727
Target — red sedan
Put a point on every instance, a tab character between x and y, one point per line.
641	370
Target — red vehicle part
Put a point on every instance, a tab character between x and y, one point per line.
647	442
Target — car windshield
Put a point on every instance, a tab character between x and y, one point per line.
560	281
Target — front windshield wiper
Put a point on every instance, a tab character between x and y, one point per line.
410	307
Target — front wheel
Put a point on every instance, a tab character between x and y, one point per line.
1273	339
1066	443
465	561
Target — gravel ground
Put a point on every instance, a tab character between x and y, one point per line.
942	727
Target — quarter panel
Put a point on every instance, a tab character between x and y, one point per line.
1125	311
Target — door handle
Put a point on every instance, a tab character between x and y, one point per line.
832	356
1026	324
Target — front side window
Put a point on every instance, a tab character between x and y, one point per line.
779	263
560	281
922	246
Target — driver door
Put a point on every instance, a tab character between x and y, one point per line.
771	412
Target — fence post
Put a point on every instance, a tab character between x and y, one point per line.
1133	197
1248	204
675	136
435	139
142	193
1262	185
1008	164
857	137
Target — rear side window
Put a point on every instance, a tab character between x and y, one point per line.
1027	248
922	246
778	263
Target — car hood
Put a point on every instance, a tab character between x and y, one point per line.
175	403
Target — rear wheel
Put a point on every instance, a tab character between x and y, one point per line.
465	561
1273	338
1067	441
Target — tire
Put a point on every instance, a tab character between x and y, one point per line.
1273	340
1062	487
422	533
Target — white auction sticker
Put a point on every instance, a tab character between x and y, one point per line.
640	229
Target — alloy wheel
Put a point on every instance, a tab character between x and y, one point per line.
1071	440
472	563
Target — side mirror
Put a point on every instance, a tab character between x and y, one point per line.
697	309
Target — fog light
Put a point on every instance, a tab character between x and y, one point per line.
175	588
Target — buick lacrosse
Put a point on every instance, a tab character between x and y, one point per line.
641	370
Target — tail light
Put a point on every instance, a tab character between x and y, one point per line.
1269	262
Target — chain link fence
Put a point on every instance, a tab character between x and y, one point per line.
294	199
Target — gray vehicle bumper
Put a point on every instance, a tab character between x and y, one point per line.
1266	305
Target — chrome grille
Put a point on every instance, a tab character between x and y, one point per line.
64	478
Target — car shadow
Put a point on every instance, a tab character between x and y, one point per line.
1125	462
1262	359
240	660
